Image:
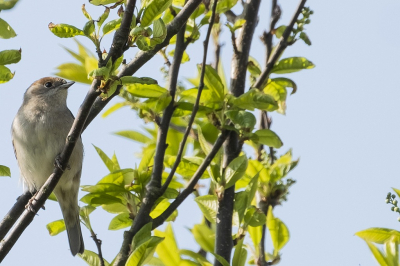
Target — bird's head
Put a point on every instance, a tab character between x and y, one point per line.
49	89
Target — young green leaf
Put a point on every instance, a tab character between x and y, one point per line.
159	31
213	82
134	135
10	57
208	204
132	80
204	236
254	217
142	254
278	230
205	146
120	221
377	235
102	2
144	43
225	5
240	254
106	160
6	32
292	64
305	38
269	138
89	28
142	235
92	259
255	234
5	171
256	99
240	205
103	17
111	26
242	119
5	74
65	30
73	72
85	13
168	250
279	31
235	170
56	227
153	10
7	4
146	90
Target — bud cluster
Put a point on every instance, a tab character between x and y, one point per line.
390	199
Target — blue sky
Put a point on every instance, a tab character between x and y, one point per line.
343	123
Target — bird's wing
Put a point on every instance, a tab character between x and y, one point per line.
12	140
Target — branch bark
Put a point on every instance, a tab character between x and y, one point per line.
233	146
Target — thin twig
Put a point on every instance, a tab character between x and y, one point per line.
193	181
280	48
98	243
196	104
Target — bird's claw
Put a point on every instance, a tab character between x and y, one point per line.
58	164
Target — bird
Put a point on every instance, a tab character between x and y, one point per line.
39	131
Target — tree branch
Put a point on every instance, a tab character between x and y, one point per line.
192	183
196	104
98	245
144	56
233	146
76	130
279	49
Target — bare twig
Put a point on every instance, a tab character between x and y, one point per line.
98	245
280	48
196	104
233	145
192	183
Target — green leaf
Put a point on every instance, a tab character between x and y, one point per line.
159	31
268	137
132	80
7	4
242	119
5	74
92	258
185	56
102	2
144	253
111	26
205	146
103	187
64	30
377	235
134	135
240	205
240	254
73	72
153	11
89	28
52	197
120	221
225	5
85	13
213	82
168	250
103	17
6	32
208	205
397	191
279	31
96	199
10	57
147	157
142	235
5	171
119	177
253	67
144	43
278	230
378	254
56	227
235	170
256	99
305	38
84	213
114	108
220	259
204	236
254	217
195	256
146	90
292	64
255	234
106	160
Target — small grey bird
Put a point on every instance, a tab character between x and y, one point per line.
39	131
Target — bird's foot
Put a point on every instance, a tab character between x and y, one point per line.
28	206
58	164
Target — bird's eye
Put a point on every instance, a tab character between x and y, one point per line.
48	84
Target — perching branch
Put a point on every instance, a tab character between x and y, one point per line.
98	245
280	48
233	146
196	104
76	130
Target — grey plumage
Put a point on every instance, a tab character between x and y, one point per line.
39	131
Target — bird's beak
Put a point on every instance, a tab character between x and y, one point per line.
67	85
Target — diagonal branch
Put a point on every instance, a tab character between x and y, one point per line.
196	105
280	48
76	130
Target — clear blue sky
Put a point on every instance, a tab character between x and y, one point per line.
343	123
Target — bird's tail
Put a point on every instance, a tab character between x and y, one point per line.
70	211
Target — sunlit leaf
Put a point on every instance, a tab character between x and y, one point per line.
208	205
225	5
153	10
111	26
10	57
6	32
5	171
142	254
240	254
292	64
204	236
134	135
242	119
120	221
5	74
106	160
278	230
56	227
7	4
92	258
64	30
377	235
235	170
146	90
269	138
168	250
